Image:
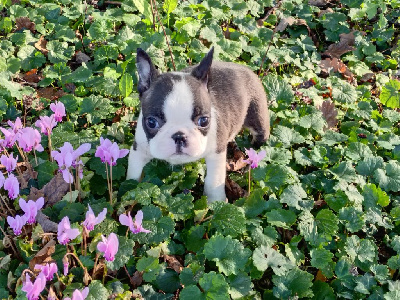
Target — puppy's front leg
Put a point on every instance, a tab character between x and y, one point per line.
214	183
136	162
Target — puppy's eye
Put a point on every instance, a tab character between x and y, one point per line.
152	123
203	121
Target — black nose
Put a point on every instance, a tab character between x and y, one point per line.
180	139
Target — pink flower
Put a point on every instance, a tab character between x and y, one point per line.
254	157
33	290
46	124
30	139
48	270
67	157
16	223
11	185
136	226
109	246
109	152
31	208
65	265
79	295
65	233
2	179
58	109
16	126
92	220
9	162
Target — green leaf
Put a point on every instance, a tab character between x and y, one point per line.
327	223
97	291
194	238
45	172
59	51
390	95
287	136
118	171
144	193
267	257
353	218
150	267
344	171
240	285
144	8
322	290
295	196
180	206
227	219
389	179
278	90
296	283
170	5
229	255
191	274
190	292
274	176
281	218
81	74
365	284
96	108
369	165
322	259
125	251
255	204
373	196
358	151
126	85
214	286
315	121
161	227
167	281
361	251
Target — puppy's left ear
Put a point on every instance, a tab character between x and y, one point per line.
202	70
146	69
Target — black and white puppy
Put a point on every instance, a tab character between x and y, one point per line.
194	113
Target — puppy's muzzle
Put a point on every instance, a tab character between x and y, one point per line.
180	141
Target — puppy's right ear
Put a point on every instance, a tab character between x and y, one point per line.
147	71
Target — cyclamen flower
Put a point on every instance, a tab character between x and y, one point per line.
2	179
68	157
16	126
46	124
31	208
254	157
134	226
9	162
30	139
33	290
65	265
16	223
109	246
92	220
11	185
65	233
48	270
109	152
58	109
79	295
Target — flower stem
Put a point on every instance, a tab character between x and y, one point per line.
249	180
108	183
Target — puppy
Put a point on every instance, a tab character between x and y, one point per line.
194	113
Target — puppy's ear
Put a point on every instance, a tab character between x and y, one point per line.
202	70
147	71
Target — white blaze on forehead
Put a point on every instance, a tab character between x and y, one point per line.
178	106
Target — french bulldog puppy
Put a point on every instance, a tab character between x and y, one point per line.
194	113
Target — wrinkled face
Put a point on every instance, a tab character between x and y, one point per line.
176	113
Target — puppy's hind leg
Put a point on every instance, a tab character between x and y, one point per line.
257	121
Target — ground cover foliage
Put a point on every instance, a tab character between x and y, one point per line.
322	219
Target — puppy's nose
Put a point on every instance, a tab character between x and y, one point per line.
179	138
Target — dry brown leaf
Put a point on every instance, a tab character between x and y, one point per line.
320	276
50	93
319	3
32	76
44	255
329	113
46	223
41	45
81	57
55	189
24	23
136	280
173	263
336	65
233	190
325	11
346	43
